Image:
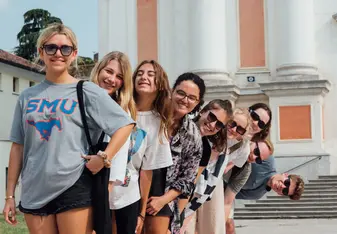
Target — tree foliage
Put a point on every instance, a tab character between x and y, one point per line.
34	21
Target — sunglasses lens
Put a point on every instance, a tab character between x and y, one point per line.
257	152
286	183
261	124
66	50
254	116
285	191
212	117
240	130
258	160
50	49
219	125
232	124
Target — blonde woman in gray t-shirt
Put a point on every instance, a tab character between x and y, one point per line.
48	141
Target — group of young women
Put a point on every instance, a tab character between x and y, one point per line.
157	153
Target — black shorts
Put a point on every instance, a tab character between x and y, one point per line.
158	189
127	217
77	196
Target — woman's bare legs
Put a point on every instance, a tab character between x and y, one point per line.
41	224
75	221
156	224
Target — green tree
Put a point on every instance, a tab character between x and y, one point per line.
84	67
34	21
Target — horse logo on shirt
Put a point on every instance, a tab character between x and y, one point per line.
45	127
136	140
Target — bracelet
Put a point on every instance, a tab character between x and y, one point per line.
104	156
9	197
141	216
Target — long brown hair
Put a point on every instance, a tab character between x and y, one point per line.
123	96
162	105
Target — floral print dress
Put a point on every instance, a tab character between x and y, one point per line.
186	149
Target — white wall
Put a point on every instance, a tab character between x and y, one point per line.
117	28
174	54
8	101
326	51
173	37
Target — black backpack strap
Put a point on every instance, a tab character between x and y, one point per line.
79	89
101	138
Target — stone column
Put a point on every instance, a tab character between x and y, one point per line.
117	28
208	52
295	38
208	48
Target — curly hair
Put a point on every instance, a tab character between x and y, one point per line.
299	189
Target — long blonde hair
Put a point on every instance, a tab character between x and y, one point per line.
50	31
124	96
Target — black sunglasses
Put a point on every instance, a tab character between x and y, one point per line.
285	191
239	129
256	117
51	49
257	152
212	118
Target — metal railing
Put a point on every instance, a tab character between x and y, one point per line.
305	163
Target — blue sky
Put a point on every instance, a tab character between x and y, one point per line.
80	15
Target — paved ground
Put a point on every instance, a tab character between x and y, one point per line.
292	226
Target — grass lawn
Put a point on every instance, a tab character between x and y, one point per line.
20	228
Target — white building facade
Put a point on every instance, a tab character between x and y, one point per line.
15	76
282	53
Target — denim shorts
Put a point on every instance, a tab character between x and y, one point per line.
77	196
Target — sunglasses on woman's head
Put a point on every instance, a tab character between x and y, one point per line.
256	117
257	152
286	183
212	118
51	49
239	129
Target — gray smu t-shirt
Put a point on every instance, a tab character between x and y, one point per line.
48	123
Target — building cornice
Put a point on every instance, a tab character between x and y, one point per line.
296	87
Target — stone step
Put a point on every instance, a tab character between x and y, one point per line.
314	213
322	191
313	195
303	200
292	204
325	187
278	216
323	181
287	208
327	177
319	186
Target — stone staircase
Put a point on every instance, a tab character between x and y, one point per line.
319	200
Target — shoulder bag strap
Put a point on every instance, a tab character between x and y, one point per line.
235	147
79	89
